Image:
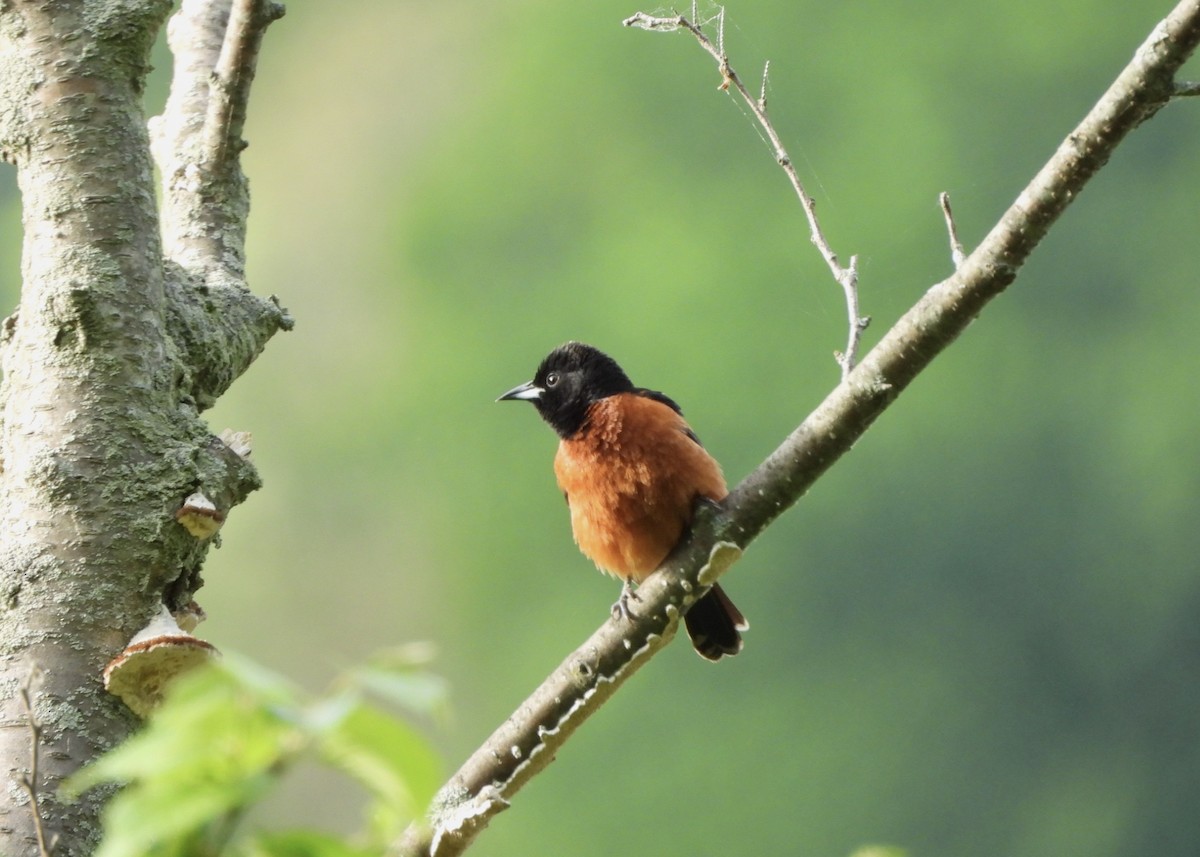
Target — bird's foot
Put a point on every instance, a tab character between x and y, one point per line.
620	609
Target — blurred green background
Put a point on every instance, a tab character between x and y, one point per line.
977	635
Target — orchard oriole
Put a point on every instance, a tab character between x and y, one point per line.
632	471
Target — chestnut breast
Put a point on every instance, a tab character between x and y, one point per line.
631	476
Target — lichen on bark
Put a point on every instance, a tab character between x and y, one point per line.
115	349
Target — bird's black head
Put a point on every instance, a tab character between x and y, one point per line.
570	379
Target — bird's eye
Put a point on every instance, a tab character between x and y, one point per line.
552	379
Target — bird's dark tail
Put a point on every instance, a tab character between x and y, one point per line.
713	624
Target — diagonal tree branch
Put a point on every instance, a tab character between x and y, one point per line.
528	740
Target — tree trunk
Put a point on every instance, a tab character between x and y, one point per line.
114	350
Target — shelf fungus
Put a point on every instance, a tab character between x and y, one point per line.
189	616
200	516
238	441
157	654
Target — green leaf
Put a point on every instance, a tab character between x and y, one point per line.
419	692
224	737
303	844
210	729
171	814
218	743
388	757
398	675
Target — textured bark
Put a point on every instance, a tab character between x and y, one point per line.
107	362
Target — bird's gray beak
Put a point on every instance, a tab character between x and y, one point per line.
527	391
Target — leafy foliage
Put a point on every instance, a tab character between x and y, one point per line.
229	733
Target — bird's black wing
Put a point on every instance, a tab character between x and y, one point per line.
670	403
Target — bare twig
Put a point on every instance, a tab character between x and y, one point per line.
233	74
957	254
846	277
1184	88
29	782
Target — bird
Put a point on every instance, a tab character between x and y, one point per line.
632	471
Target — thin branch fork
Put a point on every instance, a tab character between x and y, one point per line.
957	254
29	782
197	143
232	75
528	740
846	277
197	139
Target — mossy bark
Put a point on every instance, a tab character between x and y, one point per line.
114	350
